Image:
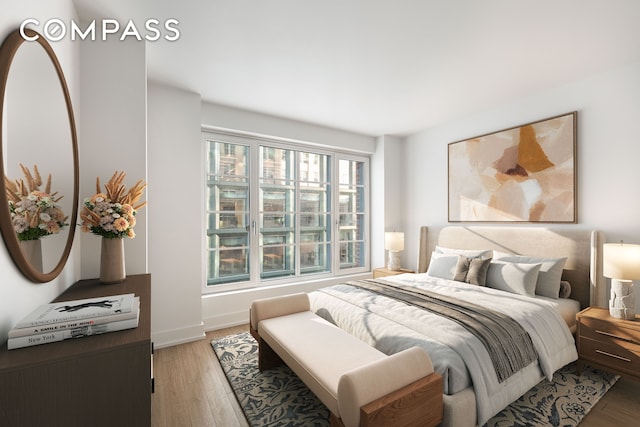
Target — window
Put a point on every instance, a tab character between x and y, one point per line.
352	214
275	212
228	212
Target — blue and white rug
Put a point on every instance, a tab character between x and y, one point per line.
278	398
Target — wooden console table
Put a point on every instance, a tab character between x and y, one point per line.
101	380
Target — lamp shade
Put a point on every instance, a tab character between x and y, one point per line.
621	261
394	241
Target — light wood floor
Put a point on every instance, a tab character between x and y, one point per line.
191	390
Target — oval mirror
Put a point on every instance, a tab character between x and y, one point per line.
39	173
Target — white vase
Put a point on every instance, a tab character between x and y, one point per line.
622	304
112	266
32	250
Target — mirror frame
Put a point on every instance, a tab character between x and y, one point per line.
7	52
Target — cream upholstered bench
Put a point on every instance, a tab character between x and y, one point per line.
360	385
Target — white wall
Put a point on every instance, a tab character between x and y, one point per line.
263	124
387	196
377	202
18	296
176	209
608	150
113	119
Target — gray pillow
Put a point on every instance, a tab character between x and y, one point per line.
517	278
472	270
548	283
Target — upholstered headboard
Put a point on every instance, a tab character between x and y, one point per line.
583	249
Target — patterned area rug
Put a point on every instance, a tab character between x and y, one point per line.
278	398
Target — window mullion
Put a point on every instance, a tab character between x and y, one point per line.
254	210
335	215
296	213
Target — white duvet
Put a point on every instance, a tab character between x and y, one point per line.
457	355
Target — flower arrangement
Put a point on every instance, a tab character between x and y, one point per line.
112	214
34	213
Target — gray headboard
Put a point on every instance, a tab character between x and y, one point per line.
583	249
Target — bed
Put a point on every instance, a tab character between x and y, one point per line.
388	315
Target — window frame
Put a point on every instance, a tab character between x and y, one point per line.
254	142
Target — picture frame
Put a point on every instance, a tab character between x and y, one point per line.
524	174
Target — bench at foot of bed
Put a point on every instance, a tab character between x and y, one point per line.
360	385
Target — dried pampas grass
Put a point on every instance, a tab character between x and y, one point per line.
116	192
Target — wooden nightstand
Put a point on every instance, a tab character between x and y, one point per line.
382	272
608	343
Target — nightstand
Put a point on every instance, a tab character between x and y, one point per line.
382	272
608	343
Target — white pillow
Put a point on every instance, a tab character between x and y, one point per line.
442	266
498	254
469	253
513	277
549	276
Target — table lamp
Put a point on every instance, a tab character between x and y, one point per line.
621	263
394	243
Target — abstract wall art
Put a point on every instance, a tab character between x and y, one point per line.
522	174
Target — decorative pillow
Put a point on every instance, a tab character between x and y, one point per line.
472	270
548	283
565	289
469	253
442	266
516	278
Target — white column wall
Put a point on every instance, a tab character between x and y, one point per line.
176	198
113	118
387	197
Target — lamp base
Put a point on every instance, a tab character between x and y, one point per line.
622	304
393	262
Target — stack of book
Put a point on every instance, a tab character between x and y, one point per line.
72	319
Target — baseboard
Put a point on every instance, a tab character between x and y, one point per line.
226	320
178	336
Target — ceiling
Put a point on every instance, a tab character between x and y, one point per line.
379	67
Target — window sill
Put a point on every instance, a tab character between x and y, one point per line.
296	286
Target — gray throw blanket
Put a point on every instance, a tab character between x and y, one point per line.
508	344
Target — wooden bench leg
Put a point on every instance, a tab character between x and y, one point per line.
335	421
267	358
418	404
